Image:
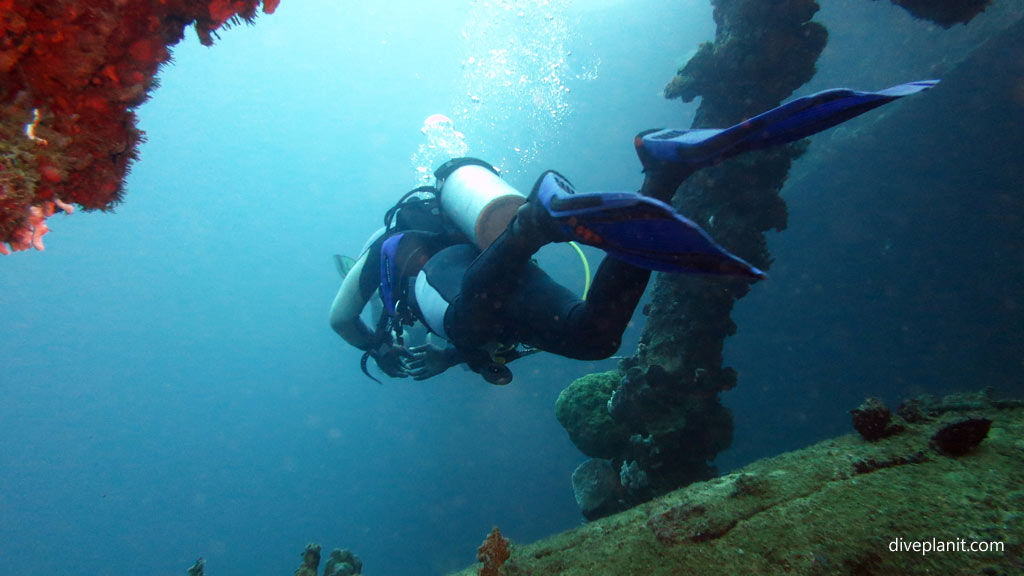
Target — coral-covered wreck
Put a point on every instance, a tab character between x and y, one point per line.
897	505
71	74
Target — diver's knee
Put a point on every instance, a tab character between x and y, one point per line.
597	348
608	348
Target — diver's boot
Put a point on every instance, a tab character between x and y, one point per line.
555	212
534	225
663	172
637	229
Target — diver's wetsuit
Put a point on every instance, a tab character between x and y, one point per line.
476	300
501	295
498	298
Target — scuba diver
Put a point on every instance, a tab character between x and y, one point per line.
456	257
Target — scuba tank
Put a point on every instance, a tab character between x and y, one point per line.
476	199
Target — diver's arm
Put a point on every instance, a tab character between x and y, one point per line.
347	306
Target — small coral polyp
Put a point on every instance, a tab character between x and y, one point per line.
71	74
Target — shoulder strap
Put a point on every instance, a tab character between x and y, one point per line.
391	274
445	170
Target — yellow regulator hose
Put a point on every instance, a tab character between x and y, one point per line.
586	268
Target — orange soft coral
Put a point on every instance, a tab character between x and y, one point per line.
71	74
493	553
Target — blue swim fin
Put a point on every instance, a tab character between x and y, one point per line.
637	229
791	121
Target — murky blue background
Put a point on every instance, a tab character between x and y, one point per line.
169	385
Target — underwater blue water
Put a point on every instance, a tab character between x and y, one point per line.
170	387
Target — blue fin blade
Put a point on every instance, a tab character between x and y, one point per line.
787	123
651	235
640	230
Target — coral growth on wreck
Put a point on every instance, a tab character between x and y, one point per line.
71	74
310	560
873	420
839	507
493	553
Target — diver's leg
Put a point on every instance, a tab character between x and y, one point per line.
548	316
492	278
662	185
614	295
497	273
661	177
487	285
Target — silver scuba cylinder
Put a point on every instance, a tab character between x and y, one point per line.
479	203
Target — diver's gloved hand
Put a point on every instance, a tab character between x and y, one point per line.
428	360
391	359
